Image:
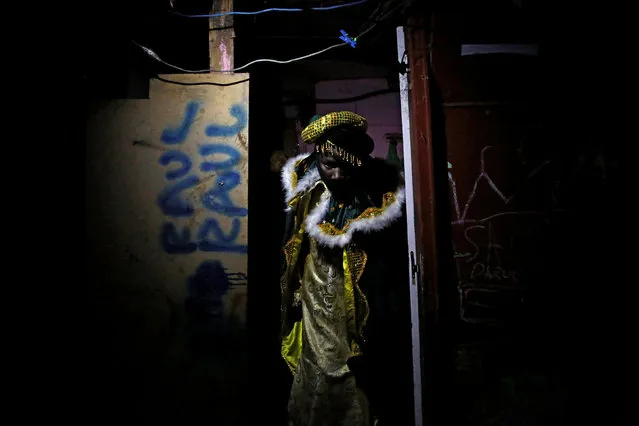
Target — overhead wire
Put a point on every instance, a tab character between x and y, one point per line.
200	83
272	9
372	17
385	15
155	56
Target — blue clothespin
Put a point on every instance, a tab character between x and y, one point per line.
344	37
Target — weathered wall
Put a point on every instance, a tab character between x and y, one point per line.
526	169
167	221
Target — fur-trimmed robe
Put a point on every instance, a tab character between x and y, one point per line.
373	237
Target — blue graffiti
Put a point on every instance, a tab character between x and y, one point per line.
207	286
209	237
178	135
241	115
211	149
218	200
177	243
170	201
209	331
179	157
221	242
204	306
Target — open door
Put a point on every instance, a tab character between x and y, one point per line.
410	227
420	210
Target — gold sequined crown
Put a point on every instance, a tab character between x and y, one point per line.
318	127
331	120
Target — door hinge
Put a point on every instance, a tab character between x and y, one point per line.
414	269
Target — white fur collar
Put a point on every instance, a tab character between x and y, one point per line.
293	187
365	225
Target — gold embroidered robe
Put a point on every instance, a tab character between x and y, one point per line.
324	310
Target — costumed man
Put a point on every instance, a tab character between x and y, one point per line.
345	307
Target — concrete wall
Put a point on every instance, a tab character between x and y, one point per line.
167	221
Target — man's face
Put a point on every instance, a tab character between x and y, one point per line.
337	175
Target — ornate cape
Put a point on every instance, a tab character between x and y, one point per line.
312	211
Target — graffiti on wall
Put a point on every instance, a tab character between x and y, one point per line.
493	244
506	217
205	303
183	175
204	180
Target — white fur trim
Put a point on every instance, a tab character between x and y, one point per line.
304	184
365	225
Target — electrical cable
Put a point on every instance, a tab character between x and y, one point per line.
155	56
371	17
200	83
272	9
385	16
